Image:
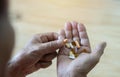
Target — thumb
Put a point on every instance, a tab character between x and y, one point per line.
99	49
52	45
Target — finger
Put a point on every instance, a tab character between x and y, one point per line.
83	35
44	64
49	57
61	34
68	30
75	31
46	37
99	49
50	47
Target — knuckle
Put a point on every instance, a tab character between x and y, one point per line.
36	35
37	38
53	33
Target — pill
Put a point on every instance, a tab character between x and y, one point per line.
68	45
77	44
71	55
72	44
65	40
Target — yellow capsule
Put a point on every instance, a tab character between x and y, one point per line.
71	55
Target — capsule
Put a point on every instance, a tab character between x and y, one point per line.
72	44
65	41
71	55
77	44
68	45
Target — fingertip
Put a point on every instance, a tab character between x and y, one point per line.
74	24
104	44
60	42
68	26
81	27
99	49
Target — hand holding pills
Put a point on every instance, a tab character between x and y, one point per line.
38	53
76	58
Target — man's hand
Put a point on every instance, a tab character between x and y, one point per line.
38	53
85	62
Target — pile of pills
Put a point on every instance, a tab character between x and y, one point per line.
73	46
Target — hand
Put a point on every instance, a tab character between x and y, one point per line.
38	53
85	62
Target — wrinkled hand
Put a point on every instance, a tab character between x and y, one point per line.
85	62
38	53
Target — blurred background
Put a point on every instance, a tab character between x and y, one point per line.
101	17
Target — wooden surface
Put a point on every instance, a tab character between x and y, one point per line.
101	17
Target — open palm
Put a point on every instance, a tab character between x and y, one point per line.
80	66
